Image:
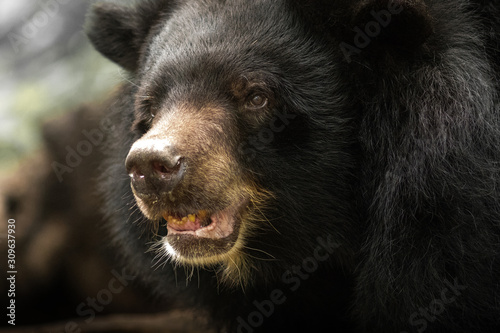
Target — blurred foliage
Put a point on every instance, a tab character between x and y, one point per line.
47	67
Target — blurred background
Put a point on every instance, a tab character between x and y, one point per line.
47	66
53	93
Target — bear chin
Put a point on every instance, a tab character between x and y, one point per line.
209	237
218	243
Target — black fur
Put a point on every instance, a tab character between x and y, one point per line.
393	155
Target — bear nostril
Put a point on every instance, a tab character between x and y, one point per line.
162	169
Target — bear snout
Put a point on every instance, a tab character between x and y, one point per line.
154	167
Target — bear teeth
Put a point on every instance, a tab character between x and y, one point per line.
201	215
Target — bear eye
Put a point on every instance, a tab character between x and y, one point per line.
257	101
146	104
153	110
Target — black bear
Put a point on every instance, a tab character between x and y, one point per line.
288	165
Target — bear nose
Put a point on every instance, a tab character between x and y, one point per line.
154	170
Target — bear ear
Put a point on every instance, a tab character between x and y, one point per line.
379	27
118	31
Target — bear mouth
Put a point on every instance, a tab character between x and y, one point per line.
204	224
205	236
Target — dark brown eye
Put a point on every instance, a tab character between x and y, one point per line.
146	103
153	111
257	101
